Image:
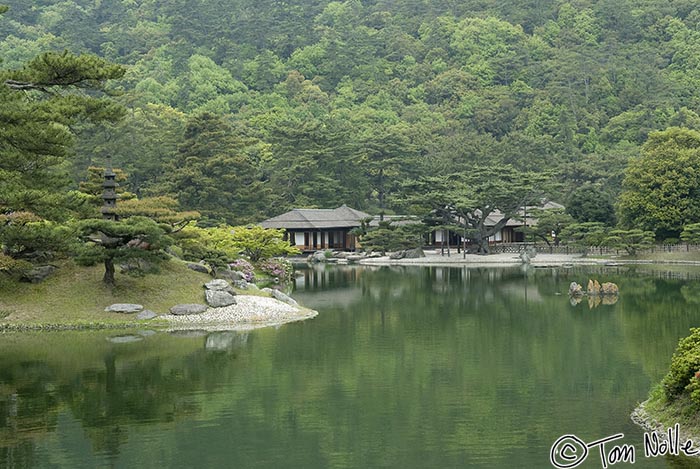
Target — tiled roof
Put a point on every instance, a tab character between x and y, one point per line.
317	218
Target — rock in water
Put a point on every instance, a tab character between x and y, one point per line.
610	289
219	298
186	309
575	290
126	308
593	288
318	256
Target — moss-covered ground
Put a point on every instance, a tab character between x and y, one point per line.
75	295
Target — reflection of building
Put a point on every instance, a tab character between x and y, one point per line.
310	229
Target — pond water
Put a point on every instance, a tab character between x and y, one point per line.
425	367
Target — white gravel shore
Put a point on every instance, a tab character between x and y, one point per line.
434	258
250	312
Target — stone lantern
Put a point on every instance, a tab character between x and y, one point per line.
109	194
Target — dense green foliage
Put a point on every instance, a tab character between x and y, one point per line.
662	187
258	243
683	377
137	239
448	111
318	103
631	241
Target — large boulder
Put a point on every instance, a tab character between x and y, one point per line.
199	267
126	308
414	253
575	290
219	298
230	275
219	285
593	287
242	284
38	274
318	256
609	289
397	255
187	309
281	296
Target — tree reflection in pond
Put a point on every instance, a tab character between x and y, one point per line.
411	367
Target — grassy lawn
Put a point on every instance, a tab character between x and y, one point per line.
76	295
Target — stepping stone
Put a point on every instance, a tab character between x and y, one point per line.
186	309
126	308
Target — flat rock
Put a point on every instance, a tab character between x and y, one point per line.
217	284
284	298
219	299
126	308
186	309
220	285
146	314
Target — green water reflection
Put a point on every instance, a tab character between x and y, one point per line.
403	367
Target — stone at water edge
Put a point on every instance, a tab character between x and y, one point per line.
219	299
575	289
126	308
187	309
318	256
397	255
593	288
280	296
414	253
610	289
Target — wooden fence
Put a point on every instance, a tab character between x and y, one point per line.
601	250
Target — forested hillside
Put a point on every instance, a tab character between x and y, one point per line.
242	109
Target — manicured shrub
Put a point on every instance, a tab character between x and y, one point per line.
244	267
277	268
681	378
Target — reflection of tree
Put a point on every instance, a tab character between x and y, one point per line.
136	384
426	364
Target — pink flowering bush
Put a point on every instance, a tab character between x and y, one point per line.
244	267
277	268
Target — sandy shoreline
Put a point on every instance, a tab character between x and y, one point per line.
250	312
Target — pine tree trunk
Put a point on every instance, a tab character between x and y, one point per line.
108	278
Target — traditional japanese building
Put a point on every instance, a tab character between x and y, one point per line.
507	234
311	229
